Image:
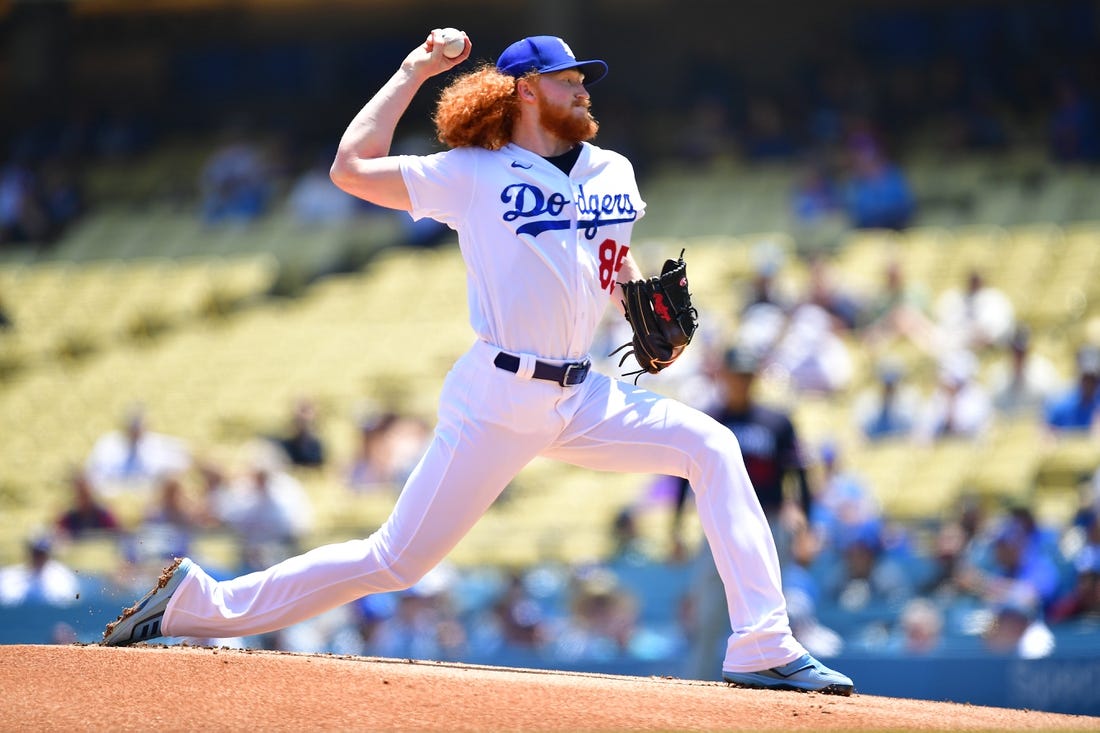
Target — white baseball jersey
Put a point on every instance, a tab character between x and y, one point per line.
541	248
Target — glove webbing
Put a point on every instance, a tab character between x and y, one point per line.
640	294
638	374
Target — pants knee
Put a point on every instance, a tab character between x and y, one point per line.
718	459
404	571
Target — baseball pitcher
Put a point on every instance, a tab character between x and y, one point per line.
544	221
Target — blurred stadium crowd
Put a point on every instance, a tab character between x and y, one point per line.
871	357
975	77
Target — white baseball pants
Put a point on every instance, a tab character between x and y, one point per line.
491	424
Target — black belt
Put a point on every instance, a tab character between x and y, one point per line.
567	375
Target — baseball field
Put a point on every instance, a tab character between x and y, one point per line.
157	688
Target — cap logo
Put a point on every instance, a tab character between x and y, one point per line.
565	47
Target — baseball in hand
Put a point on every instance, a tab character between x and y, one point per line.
454	42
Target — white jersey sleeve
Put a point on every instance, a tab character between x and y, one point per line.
440	185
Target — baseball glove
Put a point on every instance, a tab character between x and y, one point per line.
660	313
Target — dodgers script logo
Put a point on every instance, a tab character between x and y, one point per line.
593	209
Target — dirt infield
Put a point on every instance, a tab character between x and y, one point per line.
187	688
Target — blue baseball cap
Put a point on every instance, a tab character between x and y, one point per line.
546	54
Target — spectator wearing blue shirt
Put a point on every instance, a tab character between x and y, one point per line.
1082	600
1019	568
878	194
843	502
889	408
868	577
1076	408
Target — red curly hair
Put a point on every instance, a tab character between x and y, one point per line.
477	109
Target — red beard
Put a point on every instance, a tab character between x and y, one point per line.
565	125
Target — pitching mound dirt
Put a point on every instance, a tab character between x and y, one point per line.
186	688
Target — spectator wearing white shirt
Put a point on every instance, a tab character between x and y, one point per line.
135	456
268	509
975	317
1024	380
959	406
315	200
41	579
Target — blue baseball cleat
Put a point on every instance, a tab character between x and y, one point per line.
804	674
141	621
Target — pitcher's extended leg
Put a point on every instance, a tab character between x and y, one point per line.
619	427
466	467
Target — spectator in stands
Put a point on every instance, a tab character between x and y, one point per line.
877	193
235	181
899	309
214	484
628	543
518	619
921	629
388	449
801	572
1017	628
1087	519
810	351
23	217
959	406
1084	536
801	337
976	317
824	292
135	455
303	444
314	200
40	579
764	288
370	466
815	201
889	408
843	502
1023	381
949	556
602	620
1082	601
86	513
1018	572
973	517
1046	538
168	526
268	509
1075	409
867	577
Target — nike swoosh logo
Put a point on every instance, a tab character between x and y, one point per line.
517	164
